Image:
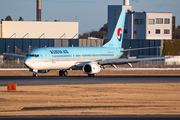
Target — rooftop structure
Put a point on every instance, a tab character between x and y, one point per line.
38	10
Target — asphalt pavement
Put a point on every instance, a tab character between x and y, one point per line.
91	118
55	80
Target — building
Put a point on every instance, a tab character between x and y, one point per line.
39	29
140	25
0	29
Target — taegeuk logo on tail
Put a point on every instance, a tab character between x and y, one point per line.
119	34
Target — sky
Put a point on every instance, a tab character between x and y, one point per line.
91	14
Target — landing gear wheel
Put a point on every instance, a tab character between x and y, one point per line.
90	75
63	73
60	73
35	75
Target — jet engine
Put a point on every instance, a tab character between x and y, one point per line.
91	68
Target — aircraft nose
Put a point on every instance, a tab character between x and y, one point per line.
26	63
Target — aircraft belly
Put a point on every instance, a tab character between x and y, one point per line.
61	65
49	65
55	65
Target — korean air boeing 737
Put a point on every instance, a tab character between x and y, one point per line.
88	59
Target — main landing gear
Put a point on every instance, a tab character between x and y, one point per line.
63	73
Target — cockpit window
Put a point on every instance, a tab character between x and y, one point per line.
33	55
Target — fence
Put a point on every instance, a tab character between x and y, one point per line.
17	64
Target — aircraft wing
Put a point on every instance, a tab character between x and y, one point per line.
14	55
126	60
126	50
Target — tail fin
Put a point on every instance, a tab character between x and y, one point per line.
117	38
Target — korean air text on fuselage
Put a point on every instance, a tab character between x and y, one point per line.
59	52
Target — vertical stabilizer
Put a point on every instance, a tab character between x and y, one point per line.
117	38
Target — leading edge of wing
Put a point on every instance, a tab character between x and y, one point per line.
14	55
126	60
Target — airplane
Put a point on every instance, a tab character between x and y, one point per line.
89	59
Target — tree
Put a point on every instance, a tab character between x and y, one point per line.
84	36
20	19
98	34
104	28
8	18
177	33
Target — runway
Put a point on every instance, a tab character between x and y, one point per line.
55	80
93	118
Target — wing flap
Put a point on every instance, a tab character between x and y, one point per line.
14	55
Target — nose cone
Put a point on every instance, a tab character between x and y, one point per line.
27	63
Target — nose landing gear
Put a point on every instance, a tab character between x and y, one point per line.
35	74
63	73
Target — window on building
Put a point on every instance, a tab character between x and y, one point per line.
114	12
135	21
139	21
151	21
135	32
114	21
166	31
125	31
166	21
158	31
149	32
159	21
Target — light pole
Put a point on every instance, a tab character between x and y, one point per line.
96	42
15	49
29	47
8	48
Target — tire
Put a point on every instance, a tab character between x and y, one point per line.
90	75
35	75
65	73
60	73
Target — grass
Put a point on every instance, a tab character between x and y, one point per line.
102	99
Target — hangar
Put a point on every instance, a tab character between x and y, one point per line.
39	29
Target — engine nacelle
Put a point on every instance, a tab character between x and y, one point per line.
91	68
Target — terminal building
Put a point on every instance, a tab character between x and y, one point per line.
141	25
